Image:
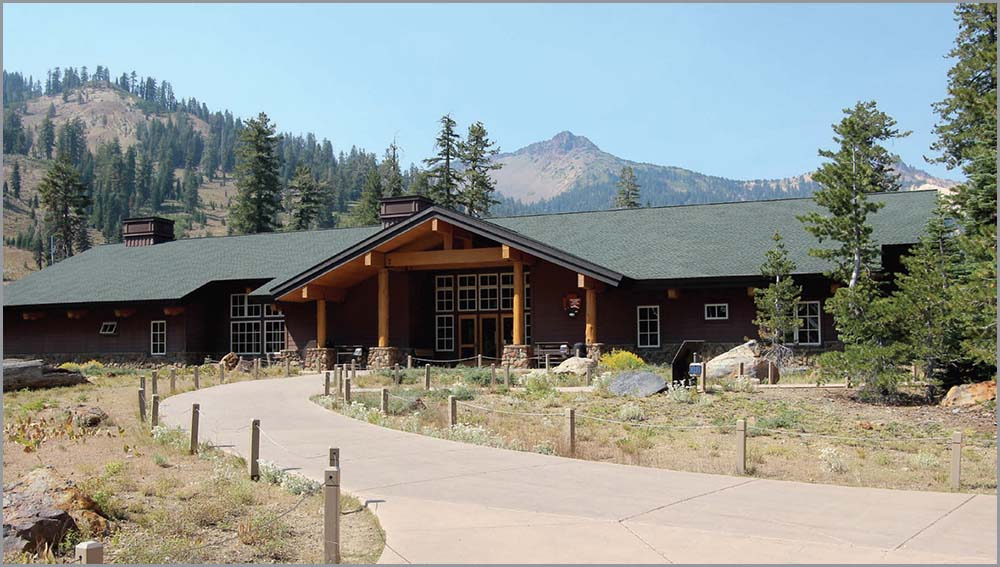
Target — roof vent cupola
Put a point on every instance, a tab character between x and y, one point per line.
147	231
395	209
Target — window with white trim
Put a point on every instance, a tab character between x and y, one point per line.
808	332
489	292
157	338
271	310
467	292
648	326
244	337
527	291
109	328
527	327
444	333
444	293
507	291
274	335
241	308
716	311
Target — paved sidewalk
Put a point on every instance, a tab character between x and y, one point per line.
446	502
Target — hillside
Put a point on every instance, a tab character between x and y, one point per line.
570	173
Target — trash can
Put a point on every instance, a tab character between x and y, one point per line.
579	349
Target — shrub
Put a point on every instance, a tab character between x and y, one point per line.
631	412
832	461
784	419
537	385
740	384
621	360
681	394
461	392
875	367
545	448
293	483
172	436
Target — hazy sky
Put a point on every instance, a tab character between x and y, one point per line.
740	91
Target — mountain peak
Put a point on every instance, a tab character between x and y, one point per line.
564	142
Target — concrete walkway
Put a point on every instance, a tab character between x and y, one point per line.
446	502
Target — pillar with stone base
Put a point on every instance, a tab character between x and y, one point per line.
384	357
517	356
326	357
595	350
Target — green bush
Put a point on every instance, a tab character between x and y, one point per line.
631	412
875	368
537	385
621	360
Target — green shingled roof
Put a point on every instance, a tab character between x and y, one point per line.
725	239
691	241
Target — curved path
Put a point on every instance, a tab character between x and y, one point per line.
446	502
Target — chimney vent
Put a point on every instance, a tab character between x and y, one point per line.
147	231
395	209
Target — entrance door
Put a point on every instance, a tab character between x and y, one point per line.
466	336
489	336
507	322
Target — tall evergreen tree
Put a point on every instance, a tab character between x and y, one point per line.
777	304
392	177
628	190
477	153
442	171
47	137
258	187
308	199
15	179
65	200
366	212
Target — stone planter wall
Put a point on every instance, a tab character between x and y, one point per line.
326	357
517	356
385	357
595	350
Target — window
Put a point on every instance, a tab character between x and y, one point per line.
527	327
241	308
444	332
467	292
808	331
244	337
158	338
527	291
648	324
109	328
274	335
444	293
489	292
716	311
506	291
270	310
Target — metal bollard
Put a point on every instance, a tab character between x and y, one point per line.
741	446
347	391
196	373
173	380
255	449
195	413
331	515
956	460
326	383
385	401
452	411
571	431
90	553
142	405
156	411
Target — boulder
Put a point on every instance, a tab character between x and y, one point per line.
40	508
88	416
33	374
726	366
639	383
970	394
575	365
230	360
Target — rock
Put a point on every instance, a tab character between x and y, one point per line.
726	366
33	374
40	508
88	416
970	394
575	365
638	383
230	360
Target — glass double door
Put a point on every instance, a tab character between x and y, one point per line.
484	334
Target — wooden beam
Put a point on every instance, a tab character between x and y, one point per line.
591	307
375	259
508	253
518	337
383	307
461	257
587	282
321	323
315	292
446	232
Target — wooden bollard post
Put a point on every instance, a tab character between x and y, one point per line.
770	372
409	362
354	371
493	375
142	405
452	411
347	391
741	446
222	373
255	449
741	370
548	363
256	369
479	361
956	460
142	382
326	383
590	374
702	378
156	411
197	370
334	457
340	368
173	380
506	376
331	516
397	374
427	376
571	431
154	390
195	413
90	553
385	401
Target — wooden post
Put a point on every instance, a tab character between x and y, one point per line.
452	411
340	377
347	391
197	370
142	382
320	323
288	368
222	373
548	363
518	334
506	376
741	370
590	374
493	375
770	372
195	412
956	460
156	411
479	361
334	456
741	446
90	553
142	405
354	371
326	384
155	390
385	401
331	516
397	374
256	369
255	449
591	308
703	377
571	431
427	376
409	361
383	307
173	380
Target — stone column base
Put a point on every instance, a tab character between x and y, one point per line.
326	357
517	356
595	350
384	357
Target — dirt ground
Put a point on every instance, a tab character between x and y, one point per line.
168	506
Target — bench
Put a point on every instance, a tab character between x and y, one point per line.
554	350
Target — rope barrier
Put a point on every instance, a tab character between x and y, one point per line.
280	446
841	438
508	412
448	360
651	425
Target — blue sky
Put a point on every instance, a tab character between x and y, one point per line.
740	91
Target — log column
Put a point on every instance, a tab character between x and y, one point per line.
591	332
383	307
320	323
518	337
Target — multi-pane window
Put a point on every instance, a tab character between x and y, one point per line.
109	328
158	338
527	327
244	337
527	291
489	292
270	310
809	322
506	291
648	326
274	335
716	311
467	292
444	293
241	308
444	333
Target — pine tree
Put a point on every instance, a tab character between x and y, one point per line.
308	203
444	188
628	189
47	137
392	177
15	180
477	153
777	304
65	200
258	187
189	191
366	212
